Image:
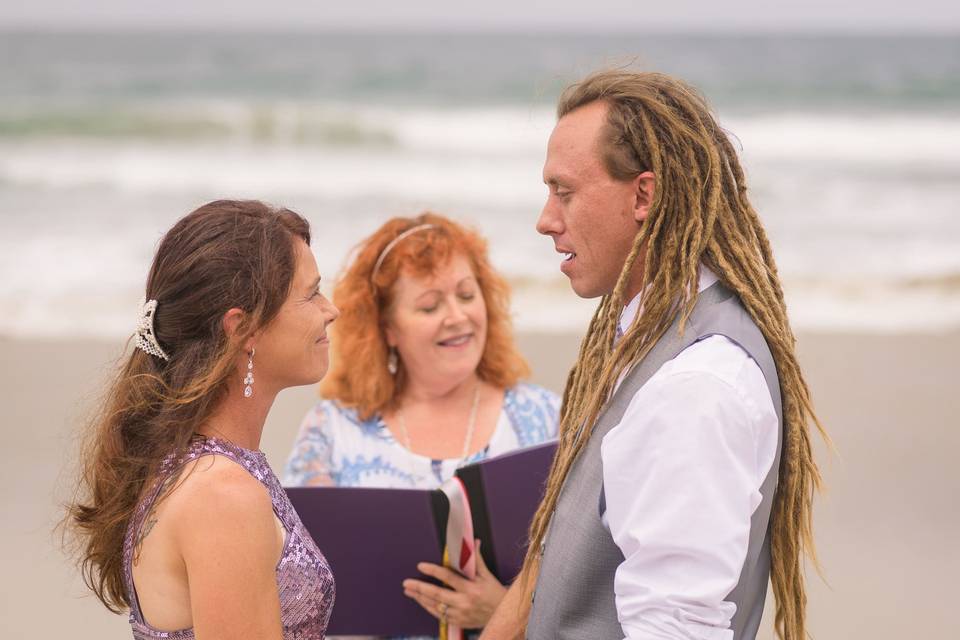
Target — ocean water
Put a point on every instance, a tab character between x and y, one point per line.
851	145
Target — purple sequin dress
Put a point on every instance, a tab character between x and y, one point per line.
304	579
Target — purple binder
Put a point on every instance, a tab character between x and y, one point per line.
504	493
374	538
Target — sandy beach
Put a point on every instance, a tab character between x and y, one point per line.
887	526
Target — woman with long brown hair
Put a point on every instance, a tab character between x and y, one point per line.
180	519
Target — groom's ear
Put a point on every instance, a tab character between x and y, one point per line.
644	186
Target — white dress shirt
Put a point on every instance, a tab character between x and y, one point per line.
682	473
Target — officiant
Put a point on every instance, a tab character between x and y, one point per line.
425	378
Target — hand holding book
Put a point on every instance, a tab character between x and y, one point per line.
469	603
376	539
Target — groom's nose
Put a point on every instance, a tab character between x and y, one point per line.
550	221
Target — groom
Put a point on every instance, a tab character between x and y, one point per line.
684	477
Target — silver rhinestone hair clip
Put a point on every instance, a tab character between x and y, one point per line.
146	338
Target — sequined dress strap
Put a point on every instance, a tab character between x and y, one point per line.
255	462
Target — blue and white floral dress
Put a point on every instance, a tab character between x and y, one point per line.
335	448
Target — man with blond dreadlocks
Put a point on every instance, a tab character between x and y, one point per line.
684	476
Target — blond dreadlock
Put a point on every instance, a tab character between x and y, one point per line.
700	213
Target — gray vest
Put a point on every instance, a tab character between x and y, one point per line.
574	598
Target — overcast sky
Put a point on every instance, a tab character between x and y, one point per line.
810	15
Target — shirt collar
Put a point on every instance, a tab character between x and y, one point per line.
705	279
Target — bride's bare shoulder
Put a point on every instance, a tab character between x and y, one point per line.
214	497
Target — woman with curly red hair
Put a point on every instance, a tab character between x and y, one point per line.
425	378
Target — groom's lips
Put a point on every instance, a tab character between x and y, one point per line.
569	256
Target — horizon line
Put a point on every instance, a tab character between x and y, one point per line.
940	31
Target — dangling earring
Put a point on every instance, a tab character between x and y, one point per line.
248	390
392	361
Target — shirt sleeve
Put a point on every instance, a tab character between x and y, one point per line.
311	461
681	482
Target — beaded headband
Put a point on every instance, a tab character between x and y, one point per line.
390	245
146	338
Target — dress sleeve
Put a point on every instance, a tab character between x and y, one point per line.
311	461
552	409
533	412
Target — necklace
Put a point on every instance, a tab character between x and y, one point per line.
471	424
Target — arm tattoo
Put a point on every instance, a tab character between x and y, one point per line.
144	532
151	518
